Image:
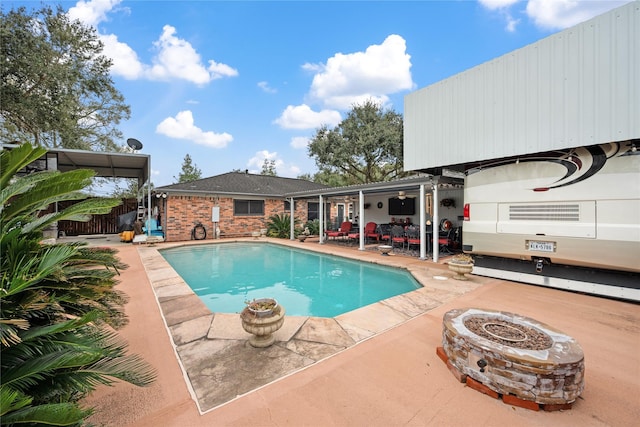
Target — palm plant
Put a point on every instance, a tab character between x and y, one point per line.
279	225
56	301
313	226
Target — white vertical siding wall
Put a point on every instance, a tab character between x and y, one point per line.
577	87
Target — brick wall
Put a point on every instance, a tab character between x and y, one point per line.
183	212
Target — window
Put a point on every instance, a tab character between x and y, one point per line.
287	205
248	207
312	211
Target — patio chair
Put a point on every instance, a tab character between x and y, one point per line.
413	236
384	231
445	241
371	231
398	235
343	231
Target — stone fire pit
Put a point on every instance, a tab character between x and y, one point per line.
512	357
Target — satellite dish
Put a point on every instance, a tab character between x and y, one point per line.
134	144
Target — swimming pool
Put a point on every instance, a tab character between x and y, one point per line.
306	283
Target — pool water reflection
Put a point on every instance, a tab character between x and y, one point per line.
306	283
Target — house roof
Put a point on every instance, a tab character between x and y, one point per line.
242	183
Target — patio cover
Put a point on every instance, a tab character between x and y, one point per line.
106	165
420	181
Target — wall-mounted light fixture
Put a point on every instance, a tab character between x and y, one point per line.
402	195
161	195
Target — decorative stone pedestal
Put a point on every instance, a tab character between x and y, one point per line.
460	269
262	328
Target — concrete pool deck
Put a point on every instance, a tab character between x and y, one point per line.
373	366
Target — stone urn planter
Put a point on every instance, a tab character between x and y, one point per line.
304	234
385	249
261	318
461	264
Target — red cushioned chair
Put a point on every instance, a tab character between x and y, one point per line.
445	237
371	231
345	229
384	231
413	236
398	235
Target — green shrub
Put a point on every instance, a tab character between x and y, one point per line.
57	302
279	225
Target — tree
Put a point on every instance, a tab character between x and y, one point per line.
269	168
58	303
130	189
56	88
189	172
365	147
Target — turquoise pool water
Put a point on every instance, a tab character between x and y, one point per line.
305	283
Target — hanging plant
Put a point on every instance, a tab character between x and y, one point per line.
448	203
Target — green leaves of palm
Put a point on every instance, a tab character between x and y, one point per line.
55	300
279	225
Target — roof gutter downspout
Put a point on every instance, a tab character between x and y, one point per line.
436	223
321	220
149	198
423	224
292	209
361	220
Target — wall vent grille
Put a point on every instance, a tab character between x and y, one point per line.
556	212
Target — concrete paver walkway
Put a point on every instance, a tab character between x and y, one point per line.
390	377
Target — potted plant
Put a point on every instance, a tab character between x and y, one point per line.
261	318
461	264
262	307
303	236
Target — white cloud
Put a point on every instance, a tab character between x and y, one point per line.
347	79
265	87
125	60
303	117
182	127
92	12
255	163
282	169
553	14
497	4
298	142
511	23
559	14
175	58
291	171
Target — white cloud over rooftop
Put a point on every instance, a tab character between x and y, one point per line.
346	79
303	117
182	126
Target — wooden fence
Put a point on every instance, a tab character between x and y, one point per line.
99	224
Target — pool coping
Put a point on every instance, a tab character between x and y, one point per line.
204	342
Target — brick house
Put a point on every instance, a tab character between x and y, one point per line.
244	204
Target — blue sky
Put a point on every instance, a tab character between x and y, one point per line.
236	82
